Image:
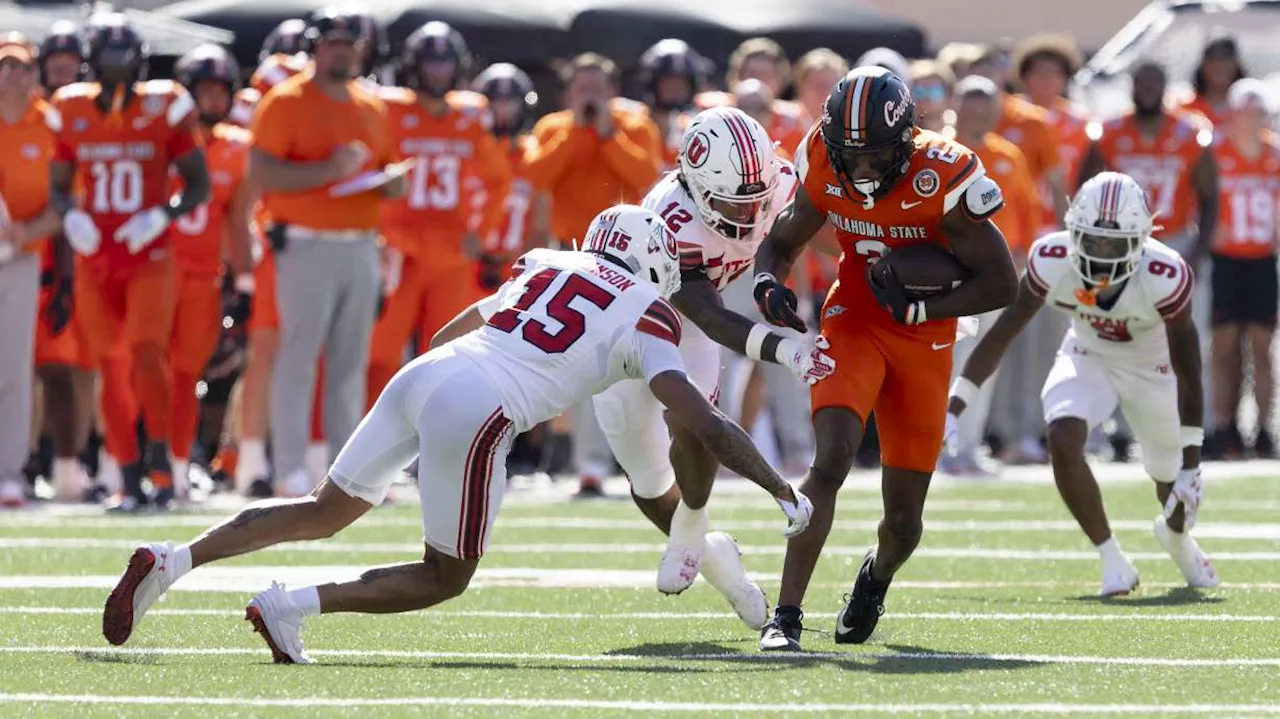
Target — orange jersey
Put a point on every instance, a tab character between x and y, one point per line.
1162	165
26	149
1069	125
243	105
1005	163
1215	114
1247	192
298	122
1027	126
450	149
122	157
199	236
941	176
275	69
512	236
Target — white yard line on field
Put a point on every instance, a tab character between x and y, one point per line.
957	657
691	616
612	548
647	706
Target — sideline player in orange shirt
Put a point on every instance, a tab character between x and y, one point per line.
763	59
202	238
1168	154
119	137
430	227
884	184
1219	68
672	73
1245	292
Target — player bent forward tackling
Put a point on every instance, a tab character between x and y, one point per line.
568	325
1121	286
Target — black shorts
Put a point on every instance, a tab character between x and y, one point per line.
1245	292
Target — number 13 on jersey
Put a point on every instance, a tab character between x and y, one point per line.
433	183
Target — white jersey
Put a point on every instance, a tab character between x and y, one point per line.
1132	329
567	326
702	248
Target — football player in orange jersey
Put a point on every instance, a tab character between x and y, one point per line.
1219	68
429	232
202	238
763	59
120	136
672	73
1245	292
884	184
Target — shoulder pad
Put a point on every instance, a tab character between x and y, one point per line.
789	110
1047	262
467	100
52	118
982	197
233	134
394	95
181	104
803	151
75	89
160	87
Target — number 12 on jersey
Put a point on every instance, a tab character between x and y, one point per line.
573	324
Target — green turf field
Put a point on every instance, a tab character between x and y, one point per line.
995	616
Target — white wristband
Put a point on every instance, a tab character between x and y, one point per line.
964	390
1192	436
755	341
245	283
915	313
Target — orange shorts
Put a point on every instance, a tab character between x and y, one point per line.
266	315
197	325
896	373
135	304
69	348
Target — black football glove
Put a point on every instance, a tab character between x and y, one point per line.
777	302
891	295
58	308
240	308
489	273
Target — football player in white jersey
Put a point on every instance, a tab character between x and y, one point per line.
719	204
1132	344
567	325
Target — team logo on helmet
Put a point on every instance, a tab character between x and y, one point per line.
697	150
895	109
926	183
668	243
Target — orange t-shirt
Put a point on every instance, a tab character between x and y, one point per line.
671	144
298	122
26	149
585	173
123	160
1027	126
1247	193
1162	165
198	243
435	212
1217	115
788	125
1005	163
911	212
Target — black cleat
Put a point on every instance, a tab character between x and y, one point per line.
1264	447
862	608
782	633
261	488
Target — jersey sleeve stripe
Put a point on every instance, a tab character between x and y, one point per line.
1037	284
964	174
660	320
1175	303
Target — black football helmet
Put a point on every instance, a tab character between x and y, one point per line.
435	41
868	127
285	39
377	48
504	81
213	63
672	57
63	39
114	51
335	22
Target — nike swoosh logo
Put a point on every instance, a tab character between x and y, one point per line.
937	346
841	627
908	205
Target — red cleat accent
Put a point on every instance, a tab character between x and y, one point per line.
117	615
254	617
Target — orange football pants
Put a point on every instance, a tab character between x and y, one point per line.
195	335
895	372
128	317
431	293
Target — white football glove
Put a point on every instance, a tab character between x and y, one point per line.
1187	490
805	358
143	228
81	233
951	435
798	513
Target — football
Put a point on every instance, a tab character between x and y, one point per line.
925	270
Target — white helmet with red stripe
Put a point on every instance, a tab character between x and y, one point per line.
1108	221
728	165
638	241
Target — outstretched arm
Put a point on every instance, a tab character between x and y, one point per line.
986	356
798	222
1184	355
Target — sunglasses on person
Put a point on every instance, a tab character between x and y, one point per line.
929	92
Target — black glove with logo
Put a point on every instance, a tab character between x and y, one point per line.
890	294
777	302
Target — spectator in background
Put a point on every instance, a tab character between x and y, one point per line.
816	72
958	56
1244	281
763	59
671	74
888	58
1219	67
1045	64
597	152
309	133
977	102
931	83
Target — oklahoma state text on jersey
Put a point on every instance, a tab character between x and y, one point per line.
941	176
201	232
122	160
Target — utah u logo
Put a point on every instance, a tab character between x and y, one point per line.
697	150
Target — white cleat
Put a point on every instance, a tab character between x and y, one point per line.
678	568
1187	554
1119	577
722	568
148	576
280	624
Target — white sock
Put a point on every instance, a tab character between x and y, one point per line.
67	476
1110	551
180	561
316	461
180	467
307	600
689	526
109	472
252	462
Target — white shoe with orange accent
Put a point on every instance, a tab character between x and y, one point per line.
149	575
280	624
1187	554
